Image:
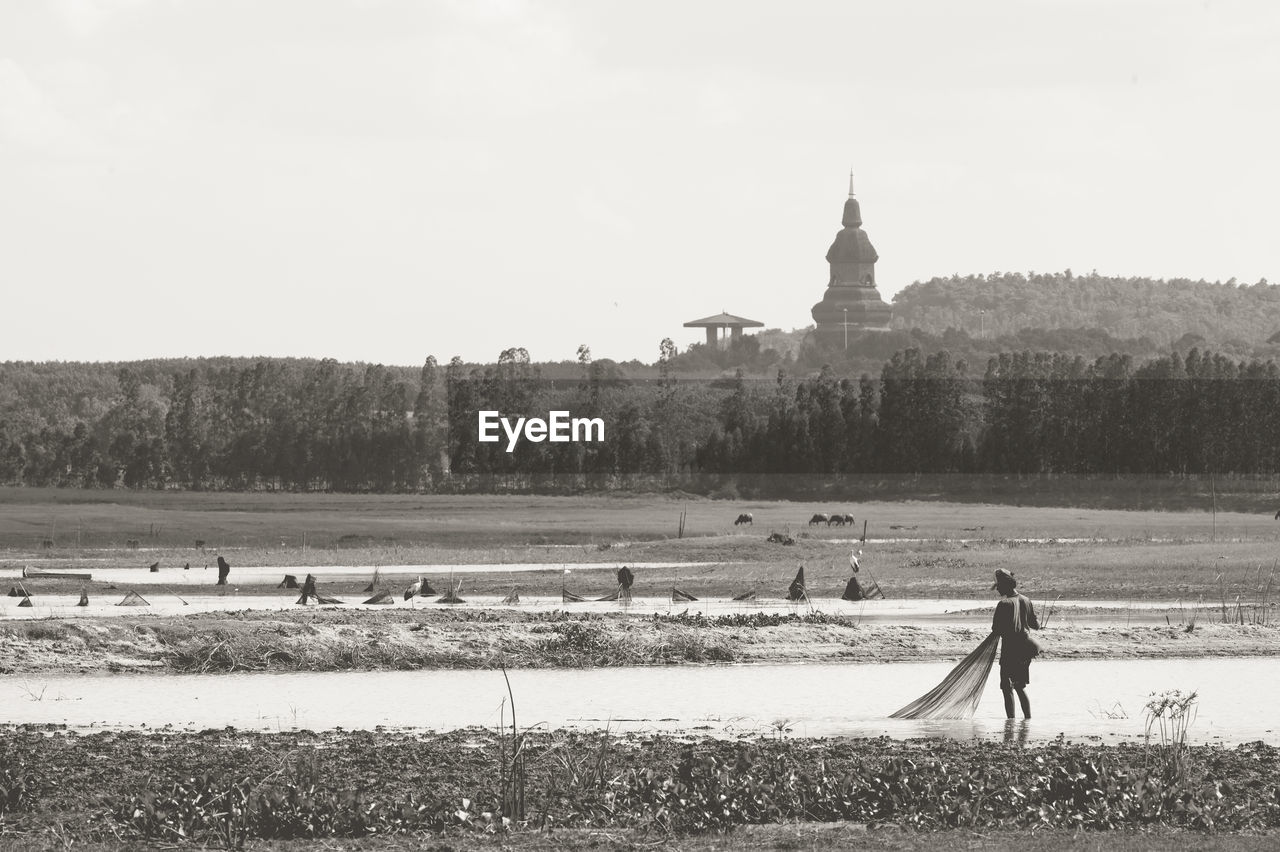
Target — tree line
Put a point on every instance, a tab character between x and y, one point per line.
293	425
1029	413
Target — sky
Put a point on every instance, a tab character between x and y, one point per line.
382	180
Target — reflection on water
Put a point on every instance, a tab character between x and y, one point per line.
1067	697
1016	731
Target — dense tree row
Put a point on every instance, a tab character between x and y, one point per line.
320	425
272	424
651	426
1029	413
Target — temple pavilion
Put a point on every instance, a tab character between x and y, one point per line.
723	329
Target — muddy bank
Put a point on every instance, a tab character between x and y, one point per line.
350	641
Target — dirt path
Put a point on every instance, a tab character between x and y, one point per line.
337	641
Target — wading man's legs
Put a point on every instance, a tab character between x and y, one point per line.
1022	699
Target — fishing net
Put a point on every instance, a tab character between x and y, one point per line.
958	694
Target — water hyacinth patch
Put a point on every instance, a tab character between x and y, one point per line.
354	784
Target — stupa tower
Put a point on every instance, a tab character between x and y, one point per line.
851	302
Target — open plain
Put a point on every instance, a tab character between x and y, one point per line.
1111	585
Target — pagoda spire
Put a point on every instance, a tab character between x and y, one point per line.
851	296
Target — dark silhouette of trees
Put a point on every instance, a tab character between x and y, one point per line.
233	424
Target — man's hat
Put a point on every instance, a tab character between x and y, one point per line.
1003	576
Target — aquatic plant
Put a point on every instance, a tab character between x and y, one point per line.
1240	610
752	619
511	781
1172	713
229	811
202	808
19	785
354	783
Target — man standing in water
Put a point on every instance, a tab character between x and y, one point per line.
1013	617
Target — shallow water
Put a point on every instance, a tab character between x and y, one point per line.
205	576
1079	698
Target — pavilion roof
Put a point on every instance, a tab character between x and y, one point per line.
723	319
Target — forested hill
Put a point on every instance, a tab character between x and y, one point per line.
1223	313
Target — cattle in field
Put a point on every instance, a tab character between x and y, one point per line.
133	544
47	544
199	544
848	520
744	518
1278	516
820	518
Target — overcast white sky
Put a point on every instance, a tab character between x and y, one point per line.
379	180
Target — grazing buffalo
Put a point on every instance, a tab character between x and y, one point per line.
848	520
132	544
744	518
820	518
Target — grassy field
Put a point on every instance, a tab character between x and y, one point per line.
75	518
1113	573
915	549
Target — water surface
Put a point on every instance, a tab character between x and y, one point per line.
1079	698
